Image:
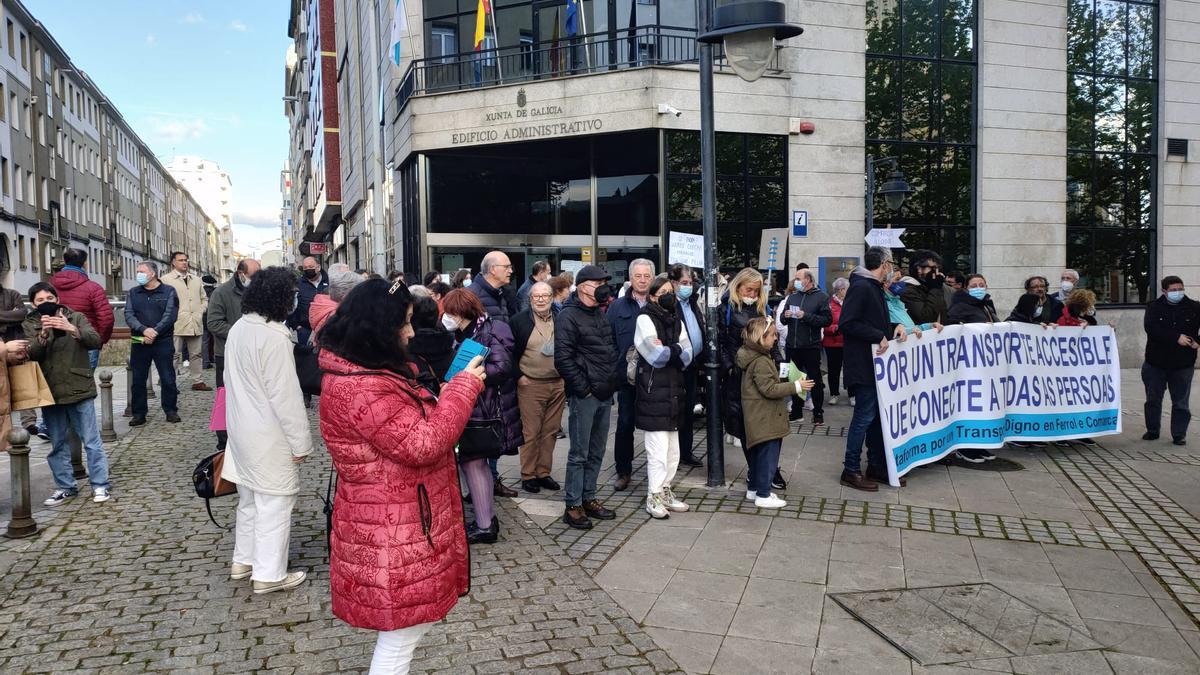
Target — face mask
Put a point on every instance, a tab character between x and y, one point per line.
1068	286
667	302
244	279
466	282
897	288
310	274
602	294
798	285
977	293
1037	311
685	292
142	278
48	308
1174	297
450	322
931	281
749	301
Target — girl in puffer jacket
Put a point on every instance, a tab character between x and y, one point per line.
398	555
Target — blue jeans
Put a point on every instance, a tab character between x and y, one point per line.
588	429
94	358
161	354
865	427
764	459
81	417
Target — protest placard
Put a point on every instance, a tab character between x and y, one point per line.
980	385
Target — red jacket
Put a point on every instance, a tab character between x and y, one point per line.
398	548
81	294
833	337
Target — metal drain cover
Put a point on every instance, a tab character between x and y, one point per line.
950	624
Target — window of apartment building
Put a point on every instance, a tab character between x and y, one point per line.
21	260
31	188
3	107
14	113
751	190
28	108
920	94
1112	94
24	52
41	129
45	194
4	175
18	183
12	42
37	62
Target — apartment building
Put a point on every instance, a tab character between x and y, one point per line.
73	173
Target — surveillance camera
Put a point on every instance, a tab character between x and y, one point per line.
668	109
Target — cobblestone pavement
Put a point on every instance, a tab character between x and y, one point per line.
141	583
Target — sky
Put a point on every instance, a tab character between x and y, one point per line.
194	77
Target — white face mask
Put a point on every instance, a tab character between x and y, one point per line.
450	322
466	282
244	279
748	300
1068	286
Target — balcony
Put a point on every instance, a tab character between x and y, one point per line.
640	47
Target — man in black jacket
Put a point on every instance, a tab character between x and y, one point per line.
864	323
491	286
926	300
314	282
585	356
801	316
1172	325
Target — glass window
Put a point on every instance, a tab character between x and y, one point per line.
1111	112
920	94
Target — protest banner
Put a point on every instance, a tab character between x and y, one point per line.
980	385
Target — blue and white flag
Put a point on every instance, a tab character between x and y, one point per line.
399	28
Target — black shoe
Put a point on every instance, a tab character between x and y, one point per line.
467	498
1062	444
503	490
560	435
549	483
173	418
883	480
987	455
576	518
1150	436
1179	440
137	421
595	509
778	482
476	535
970	455
859	482
690	460
818	419
621	483
1090	442
33	430
796	416
534	486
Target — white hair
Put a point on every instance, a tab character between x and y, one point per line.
642	261
1071	272
840	283
341	280
419	291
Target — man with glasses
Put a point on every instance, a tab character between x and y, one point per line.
926	299
189	326
540	394
1048	309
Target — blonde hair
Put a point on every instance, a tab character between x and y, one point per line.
1080	301
747	276
756	330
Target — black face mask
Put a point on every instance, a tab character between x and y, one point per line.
48	308
310	274
602	294
667	302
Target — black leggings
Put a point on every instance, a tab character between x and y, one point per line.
833	361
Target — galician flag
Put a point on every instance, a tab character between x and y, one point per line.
399	28
485	7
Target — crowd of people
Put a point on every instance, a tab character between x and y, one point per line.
414	432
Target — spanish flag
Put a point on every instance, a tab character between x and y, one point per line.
485	8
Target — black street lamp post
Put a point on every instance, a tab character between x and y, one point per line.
894	190
748	29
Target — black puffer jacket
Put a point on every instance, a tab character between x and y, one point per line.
732	318
499	303
966	309
660	391
584	352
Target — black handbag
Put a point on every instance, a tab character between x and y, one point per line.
209	484
308	369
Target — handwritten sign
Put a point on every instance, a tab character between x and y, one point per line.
687	249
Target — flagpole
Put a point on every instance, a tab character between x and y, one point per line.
587	53
496	35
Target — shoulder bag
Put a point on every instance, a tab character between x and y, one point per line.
209	484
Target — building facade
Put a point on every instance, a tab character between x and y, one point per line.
73	174
289	237
1036	134
213	191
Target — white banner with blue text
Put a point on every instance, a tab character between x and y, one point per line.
980	385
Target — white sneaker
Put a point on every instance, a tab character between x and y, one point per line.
240	571
292	580
833	400
733	440
771	502
655	506
751	495
57	497
100	495
698	409
672	502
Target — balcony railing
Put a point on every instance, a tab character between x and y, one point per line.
577	55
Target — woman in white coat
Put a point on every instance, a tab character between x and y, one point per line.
268	431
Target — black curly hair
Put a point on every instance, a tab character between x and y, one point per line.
270	294
365	329
425	313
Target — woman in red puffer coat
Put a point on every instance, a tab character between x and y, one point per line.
398	560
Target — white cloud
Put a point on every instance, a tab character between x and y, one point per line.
177	129
192	18
151	39
237	25
258	216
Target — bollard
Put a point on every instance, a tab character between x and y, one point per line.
22	524
128	392
107	433
77	470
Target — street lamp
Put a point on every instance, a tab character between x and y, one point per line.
894	190
748	30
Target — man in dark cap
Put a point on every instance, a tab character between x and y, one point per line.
585	356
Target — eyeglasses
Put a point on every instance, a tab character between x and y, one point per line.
540	296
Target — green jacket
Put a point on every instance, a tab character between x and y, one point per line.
64	359
764	397
224	309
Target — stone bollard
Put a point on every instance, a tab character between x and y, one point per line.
107	433
22	524
77	470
